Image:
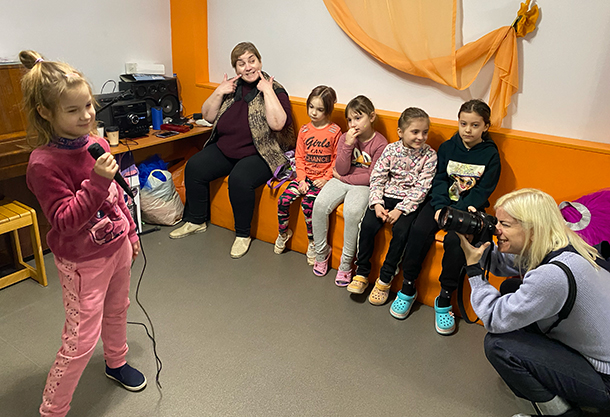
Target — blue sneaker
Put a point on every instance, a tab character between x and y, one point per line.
401	307
444	319
129	377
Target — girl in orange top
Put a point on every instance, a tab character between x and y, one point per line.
315	156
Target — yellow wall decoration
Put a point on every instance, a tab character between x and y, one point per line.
418	37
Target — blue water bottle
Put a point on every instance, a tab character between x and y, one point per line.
157	117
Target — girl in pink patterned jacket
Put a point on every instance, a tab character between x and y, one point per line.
92	234
399	183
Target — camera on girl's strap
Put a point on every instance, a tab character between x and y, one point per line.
479	224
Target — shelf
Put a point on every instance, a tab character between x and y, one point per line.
152	140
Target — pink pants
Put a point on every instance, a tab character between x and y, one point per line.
96	299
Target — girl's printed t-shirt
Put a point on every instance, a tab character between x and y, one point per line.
316	151
355	162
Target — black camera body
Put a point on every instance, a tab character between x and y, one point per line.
480	225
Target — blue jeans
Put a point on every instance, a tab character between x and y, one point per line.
538	368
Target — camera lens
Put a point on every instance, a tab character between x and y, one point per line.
479	224
459	221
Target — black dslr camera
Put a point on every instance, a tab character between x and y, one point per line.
480	225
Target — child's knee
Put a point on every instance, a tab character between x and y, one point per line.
352	214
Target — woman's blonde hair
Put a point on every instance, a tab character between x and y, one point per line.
545	229
42	87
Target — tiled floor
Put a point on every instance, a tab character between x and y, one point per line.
257	336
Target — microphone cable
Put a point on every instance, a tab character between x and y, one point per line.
151	333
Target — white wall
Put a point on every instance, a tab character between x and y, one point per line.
96	37
564	64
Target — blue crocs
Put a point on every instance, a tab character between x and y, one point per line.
129	377
402	305
444	319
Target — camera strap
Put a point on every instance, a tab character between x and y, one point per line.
460	298
460	289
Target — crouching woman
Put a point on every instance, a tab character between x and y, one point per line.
557	365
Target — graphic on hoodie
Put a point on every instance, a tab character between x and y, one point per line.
361	159
464	176
107	224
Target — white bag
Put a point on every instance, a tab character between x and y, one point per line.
160	201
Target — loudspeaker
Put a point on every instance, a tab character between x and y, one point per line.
160	91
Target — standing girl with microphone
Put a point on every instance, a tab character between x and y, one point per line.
92	234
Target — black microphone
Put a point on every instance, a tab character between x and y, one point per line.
96	151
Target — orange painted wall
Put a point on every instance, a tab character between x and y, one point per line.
189	24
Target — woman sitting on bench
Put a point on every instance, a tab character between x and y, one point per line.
252	129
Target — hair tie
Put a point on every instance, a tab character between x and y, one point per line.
38	60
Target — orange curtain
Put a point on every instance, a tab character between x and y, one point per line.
418	37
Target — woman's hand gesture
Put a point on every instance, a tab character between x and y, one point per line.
264	85
228	85
210	108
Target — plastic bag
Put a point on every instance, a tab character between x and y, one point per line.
160	202
153	163
177	171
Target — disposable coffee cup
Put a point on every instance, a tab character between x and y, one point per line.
112	132
100	128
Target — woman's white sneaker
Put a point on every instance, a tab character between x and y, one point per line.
240	247
187	229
